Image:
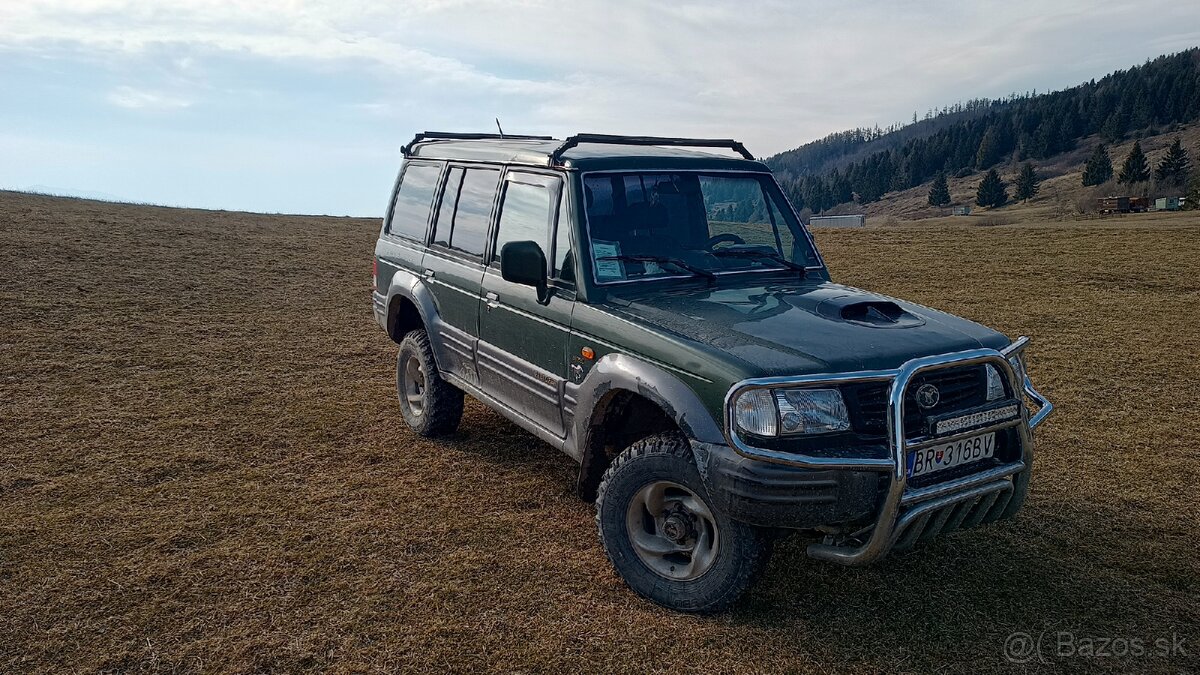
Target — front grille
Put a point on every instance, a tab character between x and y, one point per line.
960	388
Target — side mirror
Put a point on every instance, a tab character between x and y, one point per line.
523	262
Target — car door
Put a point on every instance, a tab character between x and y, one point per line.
453	263
523	341
402	245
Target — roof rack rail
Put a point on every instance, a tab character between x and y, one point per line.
452	136
578	139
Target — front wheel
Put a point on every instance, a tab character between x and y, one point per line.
663	537
430	405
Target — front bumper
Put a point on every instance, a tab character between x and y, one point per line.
784	489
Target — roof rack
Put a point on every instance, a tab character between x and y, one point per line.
578	139
452	136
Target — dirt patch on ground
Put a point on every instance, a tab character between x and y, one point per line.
204	468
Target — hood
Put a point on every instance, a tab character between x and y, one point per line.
805	327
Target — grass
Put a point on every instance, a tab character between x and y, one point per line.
204	469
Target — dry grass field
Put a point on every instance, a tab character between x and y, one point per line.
204	469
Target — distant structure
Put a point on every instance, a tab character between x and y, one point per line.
855	220
1114	205
1124	204
962	210
1167	204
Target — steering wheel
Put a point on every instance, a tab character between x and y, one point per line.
726	237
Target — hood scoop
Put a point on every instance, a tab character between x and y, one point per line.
877	313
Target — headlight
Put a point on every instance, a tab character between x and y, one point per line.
1018	366
755	413
791	411
995	385
812	411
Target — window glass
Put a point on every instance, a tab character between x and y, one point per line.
738	207
474	210
411	212
655	224
524	216
445	219
564	265
795	249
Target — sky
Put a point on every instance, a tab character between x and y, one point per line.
301	106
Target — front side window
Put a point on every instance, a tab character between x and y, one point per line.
564	262
648	225
410	214
525	213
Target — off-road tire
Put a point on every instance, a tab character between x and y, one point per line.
441	404
742	550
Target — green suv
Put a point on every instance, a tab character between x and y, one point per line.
658	311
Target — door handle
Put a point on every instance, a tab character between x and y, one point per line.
428	274
492	299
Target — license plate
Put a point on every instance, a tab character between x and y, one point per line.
944	456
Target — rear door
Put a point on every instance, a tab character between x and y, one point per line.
453	263
522	342
402	244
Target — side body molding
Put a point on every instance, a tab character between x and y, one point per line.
620	371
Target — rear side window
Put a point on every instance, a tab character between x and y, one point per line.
525	213
466	209
410	214
445	219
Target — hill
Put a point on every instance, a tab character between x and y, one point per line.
862	166
1062	195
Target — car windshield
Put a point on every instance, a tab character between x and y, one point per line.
710	222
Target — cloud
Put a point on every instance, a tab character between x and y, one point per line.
358	77
138	99
776	72
322	31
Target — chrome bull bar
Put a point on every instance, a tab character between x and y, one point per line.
902	507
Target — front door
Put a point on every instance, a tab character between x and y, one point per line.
523	342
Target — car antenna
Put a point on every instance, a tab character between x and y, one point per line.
498	128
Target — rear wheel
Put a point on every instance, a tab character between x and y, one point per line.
663	537
429	404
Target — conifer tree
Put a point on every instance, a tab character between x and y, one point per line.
875	161
1113	129
1135	168
1175	165
989	149
1027	183
939	192
1099	167
1193	193
992	191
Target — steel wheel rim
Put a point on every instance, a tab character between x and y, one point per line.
672	531
413	385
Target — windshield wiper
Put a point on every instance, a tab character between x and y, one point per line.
687	267
769	255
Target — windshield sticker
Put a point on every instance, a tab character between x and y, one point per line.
607	269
